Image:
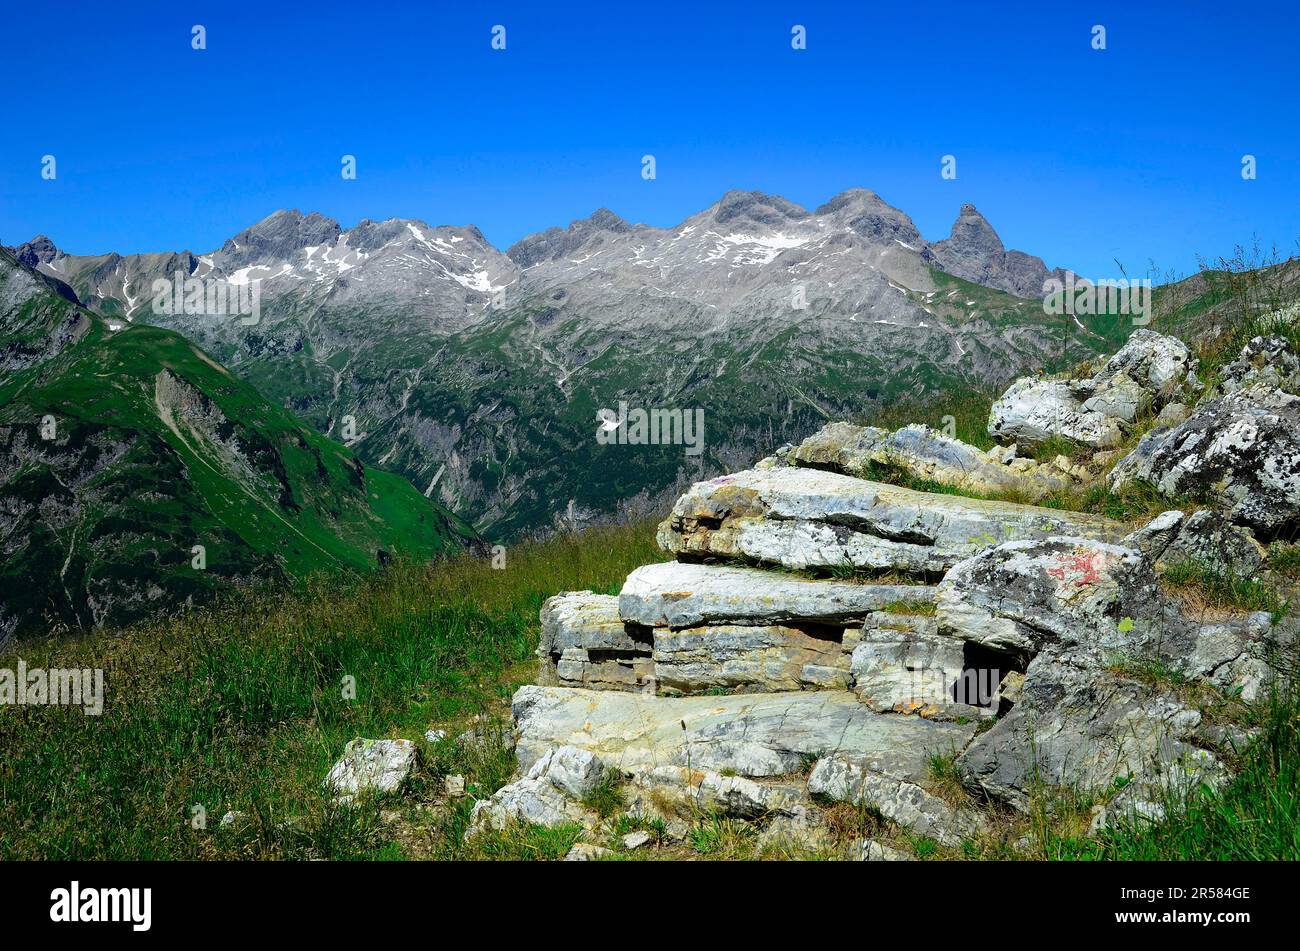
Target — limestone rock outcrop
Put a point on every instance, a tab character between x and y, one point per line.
549	794
766	657
1021	597
752	735
1241	451
901	664
1148	371
585	643
924	453
1270	360
849	779
680	594
1205	538
806	518
797	652
1081	726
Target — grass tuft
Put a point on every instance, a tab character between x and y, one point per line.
606	798
1208	586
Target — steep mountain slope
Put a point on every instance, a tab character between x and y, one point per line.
479	375
122	451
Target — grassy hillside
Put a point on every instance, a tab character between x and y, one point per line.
241	707
123	451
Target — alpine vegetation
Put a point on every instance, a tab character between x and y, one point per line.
1117	297
140	475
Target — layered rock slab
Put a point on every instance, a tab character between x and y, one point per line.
577	667
923	453
584	643
849	779
768	657
903	665
680	595
753	735
1060	593
598	649
801	518
588	621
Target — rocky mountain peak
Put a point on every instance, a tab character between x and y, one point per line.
605	220
369	235
975	253
474	232
555	243
971	232
39	250
871	217
739	208
848	197
279	236
20	273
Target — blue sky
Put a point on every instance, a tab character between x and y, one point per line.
1080	156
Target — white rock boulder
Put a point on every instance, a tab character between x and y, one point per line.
1242	450
380	766
1148	371
1022	596
849	779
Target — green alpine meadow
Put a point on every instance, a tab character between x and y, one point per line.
141	475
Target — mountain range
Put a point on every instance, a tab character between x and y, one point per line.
138	474
478	373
